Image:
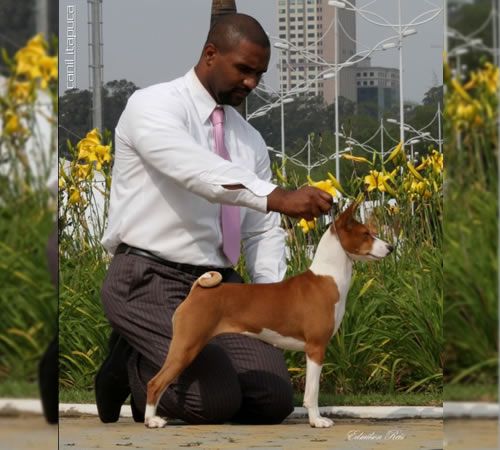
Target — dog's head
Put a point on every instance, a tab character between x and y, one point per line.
358	240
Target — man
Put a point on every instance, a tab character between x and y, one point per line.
191	180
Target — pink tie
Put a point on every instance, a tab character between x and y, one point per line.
230	215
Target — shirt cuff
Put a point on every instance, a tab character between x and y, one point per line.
242	197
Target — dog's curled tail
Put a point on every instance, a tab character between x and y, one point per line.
208	280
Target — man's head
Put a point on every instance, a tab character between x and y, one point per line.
235	55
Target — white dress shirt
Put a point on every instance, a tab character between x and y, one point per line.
167	181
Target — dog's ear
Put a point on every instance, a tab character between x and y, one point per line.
346	219
351	209
371	225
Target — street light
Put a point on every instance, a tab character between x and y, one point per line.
337	5
402	34
412	142
283	48
389	45
409	32
458	53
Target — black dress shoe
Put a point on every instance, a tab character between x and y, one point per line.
111	382
48	371
136	413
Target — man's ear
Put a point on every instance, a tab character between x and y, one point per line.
209	53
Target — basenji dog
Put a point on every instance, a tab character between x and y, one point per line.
300	313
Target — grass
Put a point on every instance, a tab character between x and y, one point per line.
325	399
82	325
470	257
12	388
470	253
27	298
390	339
470	393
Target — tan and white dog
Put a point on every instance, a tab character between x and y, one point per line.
300	313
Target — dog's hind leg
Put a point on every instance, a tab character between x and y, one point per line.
183	350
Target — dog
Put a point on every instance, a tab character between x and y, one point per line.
300	313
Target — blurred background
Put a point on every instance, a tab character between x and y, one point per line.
470	223
28	184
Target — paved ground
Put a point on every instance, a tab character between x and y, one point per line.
27	432
347	434
471	434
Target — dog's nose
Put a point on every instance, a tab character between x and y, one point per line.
390	248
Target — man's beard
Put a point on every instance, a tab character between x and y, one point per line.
232	98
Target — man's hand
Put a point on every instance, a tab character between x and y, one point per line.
307	202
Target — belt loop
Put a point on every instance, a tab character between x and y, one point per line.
127	250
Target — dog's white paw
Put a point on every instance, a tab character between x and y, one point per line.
321	422
155	422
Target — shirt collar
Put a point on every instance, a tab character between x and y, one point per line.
203	101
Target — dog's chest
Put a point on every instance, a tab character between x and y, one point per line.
341	274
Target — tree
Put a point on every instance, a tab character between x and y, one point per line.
221	8
75	111
433	96
115	96
74	118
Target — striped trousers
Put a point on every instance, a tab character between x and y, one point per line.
235	378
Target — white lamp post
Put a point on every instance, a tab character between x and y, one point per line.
283	47
412	142
337	5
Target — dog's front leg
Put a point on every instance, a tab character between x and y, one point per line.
312	390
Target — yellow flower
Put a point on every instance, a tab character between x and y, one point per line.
336	183
20	91
437	162
396	153
307	225
102	154
280	176
414	172
82	171
28	58
465	111
75	196
460	90
33	62
12	123
393	209
91	149
48	70
379	180
434	160
355	158
325	185
420	188
87	144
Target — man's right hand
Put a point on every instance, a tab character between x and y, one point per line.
307	202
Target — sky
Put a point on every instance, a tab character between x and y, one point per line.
153	41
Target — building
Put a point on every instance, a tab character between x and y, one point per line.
377	88
309	25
